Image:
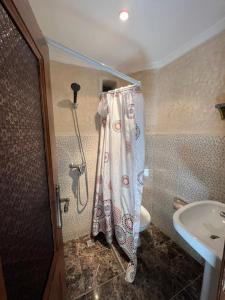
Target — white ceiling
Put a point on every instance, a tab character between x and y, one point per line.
157	32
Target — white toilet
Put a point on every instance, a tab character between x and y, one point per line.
145	221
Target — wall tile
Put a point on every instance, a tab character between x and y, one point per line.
190	167
77	221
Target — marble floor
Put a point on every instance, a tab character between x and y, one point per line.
164	272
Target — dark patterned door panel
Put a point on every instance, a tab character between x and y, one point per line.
26	243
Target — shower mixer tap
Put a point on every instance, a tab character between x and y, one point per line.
80	168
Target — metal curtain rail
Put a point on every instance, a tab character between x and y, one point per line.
92	61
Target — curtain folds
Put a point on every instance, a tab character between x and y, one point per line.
120	171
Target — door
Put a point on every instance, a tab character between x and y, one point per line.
31	246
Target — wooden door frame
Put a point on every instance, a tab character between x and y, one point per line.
23	17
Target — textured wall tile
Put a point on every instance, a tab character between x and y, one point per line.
201	168
190	167
26	241
77	221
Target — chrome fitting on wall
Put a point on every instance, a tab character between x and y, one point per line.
221	108
178	203
66	204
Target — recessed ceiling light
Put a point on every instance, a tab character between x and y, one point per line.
124	15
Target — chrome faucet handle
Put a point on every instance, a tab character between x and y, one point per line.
73	166
81	168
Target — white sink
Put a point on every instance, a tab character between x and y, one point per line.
203	228
198	223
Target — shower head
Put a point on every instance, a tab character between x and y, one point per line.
75	87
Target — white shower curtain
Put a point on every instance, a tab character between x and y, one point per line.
120	170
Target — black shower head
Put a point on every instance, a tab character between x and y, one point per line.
75	87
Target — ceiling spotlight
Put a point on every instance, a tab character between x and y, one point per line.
124	15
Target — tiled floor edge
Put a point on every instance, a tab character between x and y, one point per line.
185	287
98	286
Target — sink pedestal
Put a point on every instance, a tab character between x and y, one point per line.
210	282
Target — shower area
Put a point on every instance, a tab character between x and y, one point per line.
77	127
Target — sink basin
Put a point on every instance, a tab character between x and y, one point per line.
202	225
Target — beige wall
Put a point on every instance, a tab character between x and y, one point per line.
185	136
62	75
77	222
181	97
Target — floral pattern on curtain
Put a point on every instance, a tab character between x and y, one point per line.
120	171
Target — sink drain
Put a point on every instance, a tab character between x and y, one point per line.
214	237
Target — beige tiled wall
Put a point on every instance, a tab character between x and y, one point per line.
77	221
185	137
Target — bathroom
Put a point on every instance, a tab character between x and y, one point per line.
181	81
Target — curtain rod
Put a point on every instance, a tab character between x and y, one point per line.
92	61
